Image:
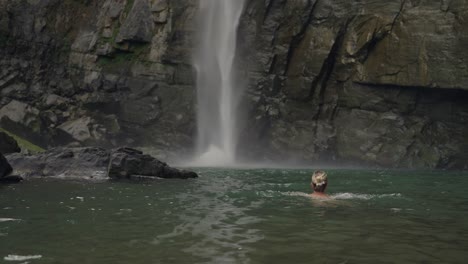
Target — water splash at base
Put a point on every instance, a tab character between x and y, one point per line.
213	157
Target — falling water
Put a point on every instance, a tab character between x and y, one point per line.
218	92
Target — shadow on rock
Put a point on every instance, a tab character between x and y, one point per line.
5	171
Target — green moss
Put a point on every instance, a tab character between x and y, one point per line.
119	60
23	143
115	32
124	56
123	59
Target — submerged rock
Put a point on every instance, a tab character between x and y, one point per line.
94	163
11	179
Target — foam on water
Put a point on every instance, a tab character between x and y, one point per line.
361	196
8	219
302	194
337	196
21	258
271	194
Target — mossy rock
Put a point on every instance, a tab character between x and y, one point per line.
24	144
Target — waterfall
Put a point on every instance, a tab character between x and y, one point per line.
218	92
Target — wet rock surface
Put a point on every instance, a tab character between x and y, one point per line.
362	83
131	163
8	144
93	164
5	167
375	83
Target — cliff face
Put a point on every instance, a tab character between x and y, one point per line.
368	82
372	82
98	72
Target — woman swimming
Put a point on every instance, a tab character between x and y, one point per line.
319	184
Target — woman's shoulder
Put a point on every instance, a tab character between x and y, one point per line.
320	195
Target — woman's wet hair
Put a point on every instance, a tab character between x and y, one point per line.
319	181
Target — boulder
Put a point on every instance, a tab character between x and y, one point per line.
19	112
78	128
25	121
68	163
131	163
8	144
5	167
94	164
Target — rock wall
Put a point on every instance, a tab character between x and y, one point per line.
359	82
346	82
77	72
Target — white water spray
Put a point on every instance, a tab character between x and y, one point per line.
218	93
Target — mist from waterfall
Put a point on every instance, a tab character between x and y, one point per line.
218	92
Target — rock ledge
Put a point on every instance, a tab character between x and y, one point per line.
94	164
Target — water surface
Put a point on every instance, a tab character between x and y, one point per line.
239	216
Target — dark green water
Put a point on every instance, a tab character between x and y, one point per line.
240	216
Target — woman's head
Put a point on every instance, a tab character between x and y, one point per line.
319	181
